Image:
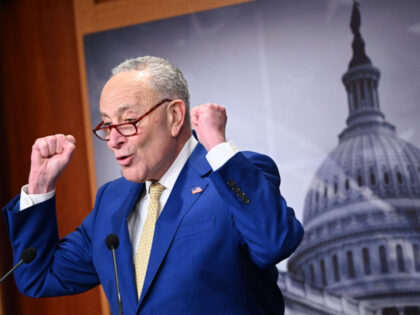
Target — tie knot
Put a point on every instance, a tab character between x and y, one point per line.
156	190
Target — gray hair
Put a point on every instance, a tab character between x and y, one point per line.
167	79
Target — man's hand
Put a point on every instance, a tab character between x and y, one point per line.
209	122
50	156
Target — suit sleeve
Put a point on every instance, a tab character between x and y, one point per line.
61	267
249	185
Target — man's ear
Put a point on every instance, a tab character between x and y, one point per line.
176	116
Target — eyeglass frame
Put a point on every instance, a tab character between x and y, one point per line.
134	122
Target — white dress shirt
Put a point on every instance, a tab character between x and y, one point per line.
216	157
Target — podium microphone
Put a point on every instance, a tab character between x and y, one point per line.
112	243
26	257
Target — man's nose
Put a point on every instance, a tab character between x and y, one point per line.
116	139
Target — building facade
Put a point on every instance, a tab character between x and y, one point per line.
362	210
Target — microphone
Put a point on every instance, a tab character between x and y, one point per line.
26	257
112	243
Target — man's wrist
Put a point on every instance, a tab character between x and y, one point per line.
40	188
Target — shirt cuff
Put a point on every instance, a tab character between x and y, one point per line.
29	200
220	154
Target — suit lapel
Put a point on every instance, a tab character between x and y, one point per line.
179	203
124	255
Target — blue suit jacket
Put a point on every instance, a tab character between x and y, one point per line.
213	252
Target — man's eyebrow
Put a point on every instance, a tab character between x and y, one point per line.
120	110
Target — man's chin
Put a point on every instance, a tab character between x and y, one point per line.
132	177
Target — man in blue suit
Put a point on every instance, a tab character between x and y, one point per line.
206	243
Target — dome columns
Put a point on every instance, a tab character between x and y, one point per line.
361	84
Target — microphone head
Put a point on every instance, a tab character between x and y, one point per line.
28	255
112	241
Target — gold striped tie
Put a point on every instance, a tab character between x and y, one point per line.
146	238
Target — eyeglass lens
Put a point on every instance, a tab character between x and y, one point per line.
125	130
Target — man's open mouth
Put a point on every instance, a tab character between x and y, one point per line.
124	159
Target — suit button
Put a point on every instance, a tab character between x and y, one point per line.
236	189
231	183
241	195
246	200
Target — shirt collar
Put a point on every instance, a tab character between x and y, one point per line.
169	178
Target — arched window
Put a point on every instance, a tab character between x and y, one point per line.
383	259
386	178
336	268
335	188
316	196
390	311
356	103
350	265
326	191
411	171
416	254
323	273
360	180
411	310
366	261
400	259
399	178
347	184
372	179
312	273
362	90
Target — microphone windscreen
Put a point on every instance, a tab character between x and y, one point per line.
112	241
28	255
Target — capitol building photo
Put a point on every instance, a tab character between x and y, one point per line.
361	249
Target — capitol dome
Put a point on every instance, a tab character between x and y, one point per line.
370	164
362	210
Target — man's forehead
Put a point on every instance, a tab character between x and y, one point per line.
126	91
127	83
121	109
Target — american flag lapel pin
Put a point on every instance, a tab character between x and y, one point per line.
196	190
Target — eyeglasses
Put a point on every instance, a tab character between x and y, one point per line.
103	130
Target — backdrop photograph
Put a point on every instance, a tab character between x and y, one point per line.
329	90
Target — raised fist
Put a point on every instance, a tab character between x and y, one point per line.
50	156
209	122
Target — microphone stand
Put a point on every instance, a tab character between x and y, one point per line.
117	283
112	243
11	270
26	257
